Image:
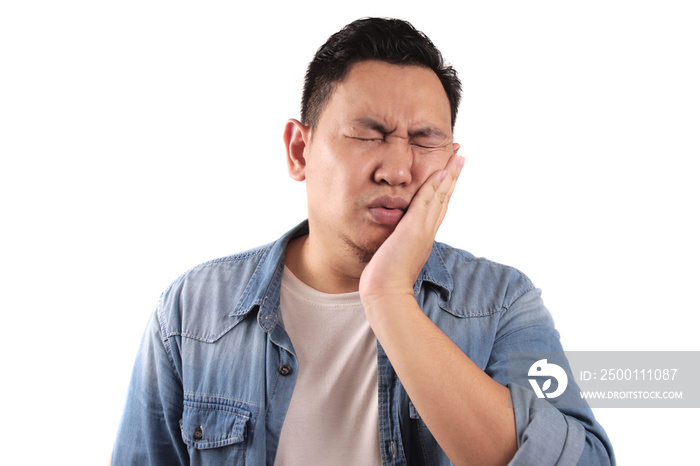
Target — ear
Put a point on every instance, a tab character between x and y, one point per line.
296	138
455	148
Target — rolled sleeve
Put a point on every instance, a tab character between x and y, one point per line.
545	435
561	431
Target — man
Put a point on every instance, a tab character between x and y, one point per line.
355	338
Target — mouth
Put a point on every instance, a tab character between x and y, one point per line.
387	210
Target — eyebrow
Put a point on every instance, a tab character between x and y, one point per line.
373	124
426	132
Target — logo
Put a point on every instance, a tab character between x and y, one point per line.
544	369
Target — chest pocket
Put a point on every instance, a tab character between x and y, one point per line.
215	432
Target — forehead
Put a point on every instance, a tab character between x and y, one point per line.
392	93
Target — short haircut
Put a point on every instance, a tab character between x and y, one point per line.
390	40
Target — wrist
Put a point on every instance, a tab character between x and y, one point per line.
380	306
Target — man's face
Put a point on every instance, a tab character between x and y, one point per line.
383	131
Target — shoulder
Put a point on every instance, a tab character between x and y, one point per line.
227	271
481	285
199	302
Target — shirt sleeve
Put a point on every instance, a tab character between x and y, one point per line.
561	430
149	432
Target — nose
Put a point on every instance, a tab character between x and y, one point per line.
394	164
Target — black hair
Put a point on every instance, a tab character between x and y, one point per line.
391	40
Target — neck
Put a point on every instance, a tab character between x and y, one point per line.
323	270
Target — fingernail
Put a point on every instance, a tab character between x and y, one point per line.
443	175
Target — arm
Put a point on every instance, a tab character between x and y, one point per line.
466	411
562	431
149	432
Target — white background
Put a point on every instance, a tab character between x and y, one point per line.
140	138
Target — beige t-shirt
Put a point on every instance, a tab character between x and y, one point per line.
333	415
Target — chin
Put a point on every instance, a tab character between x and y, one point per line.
364	250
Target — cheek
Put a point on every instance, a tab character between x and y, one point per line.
426	165
326	186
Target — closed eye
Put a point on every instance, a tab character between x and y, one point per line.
425	147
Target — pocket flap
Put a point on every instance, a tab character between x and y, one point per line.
213	426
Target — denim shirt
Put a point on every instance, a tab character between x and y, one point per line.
215	370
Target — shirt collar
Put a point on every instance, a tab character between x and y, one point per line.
263	289
435	272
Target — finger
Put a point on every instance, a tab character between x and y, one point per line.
438	185
429	205
449	178
433	197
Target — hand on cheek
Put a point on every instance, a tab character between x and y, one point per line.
397	263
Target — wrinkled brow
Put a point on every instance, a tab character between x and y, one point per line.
426	132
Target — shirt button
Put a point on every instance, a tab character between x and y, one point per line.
285	370
198	434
